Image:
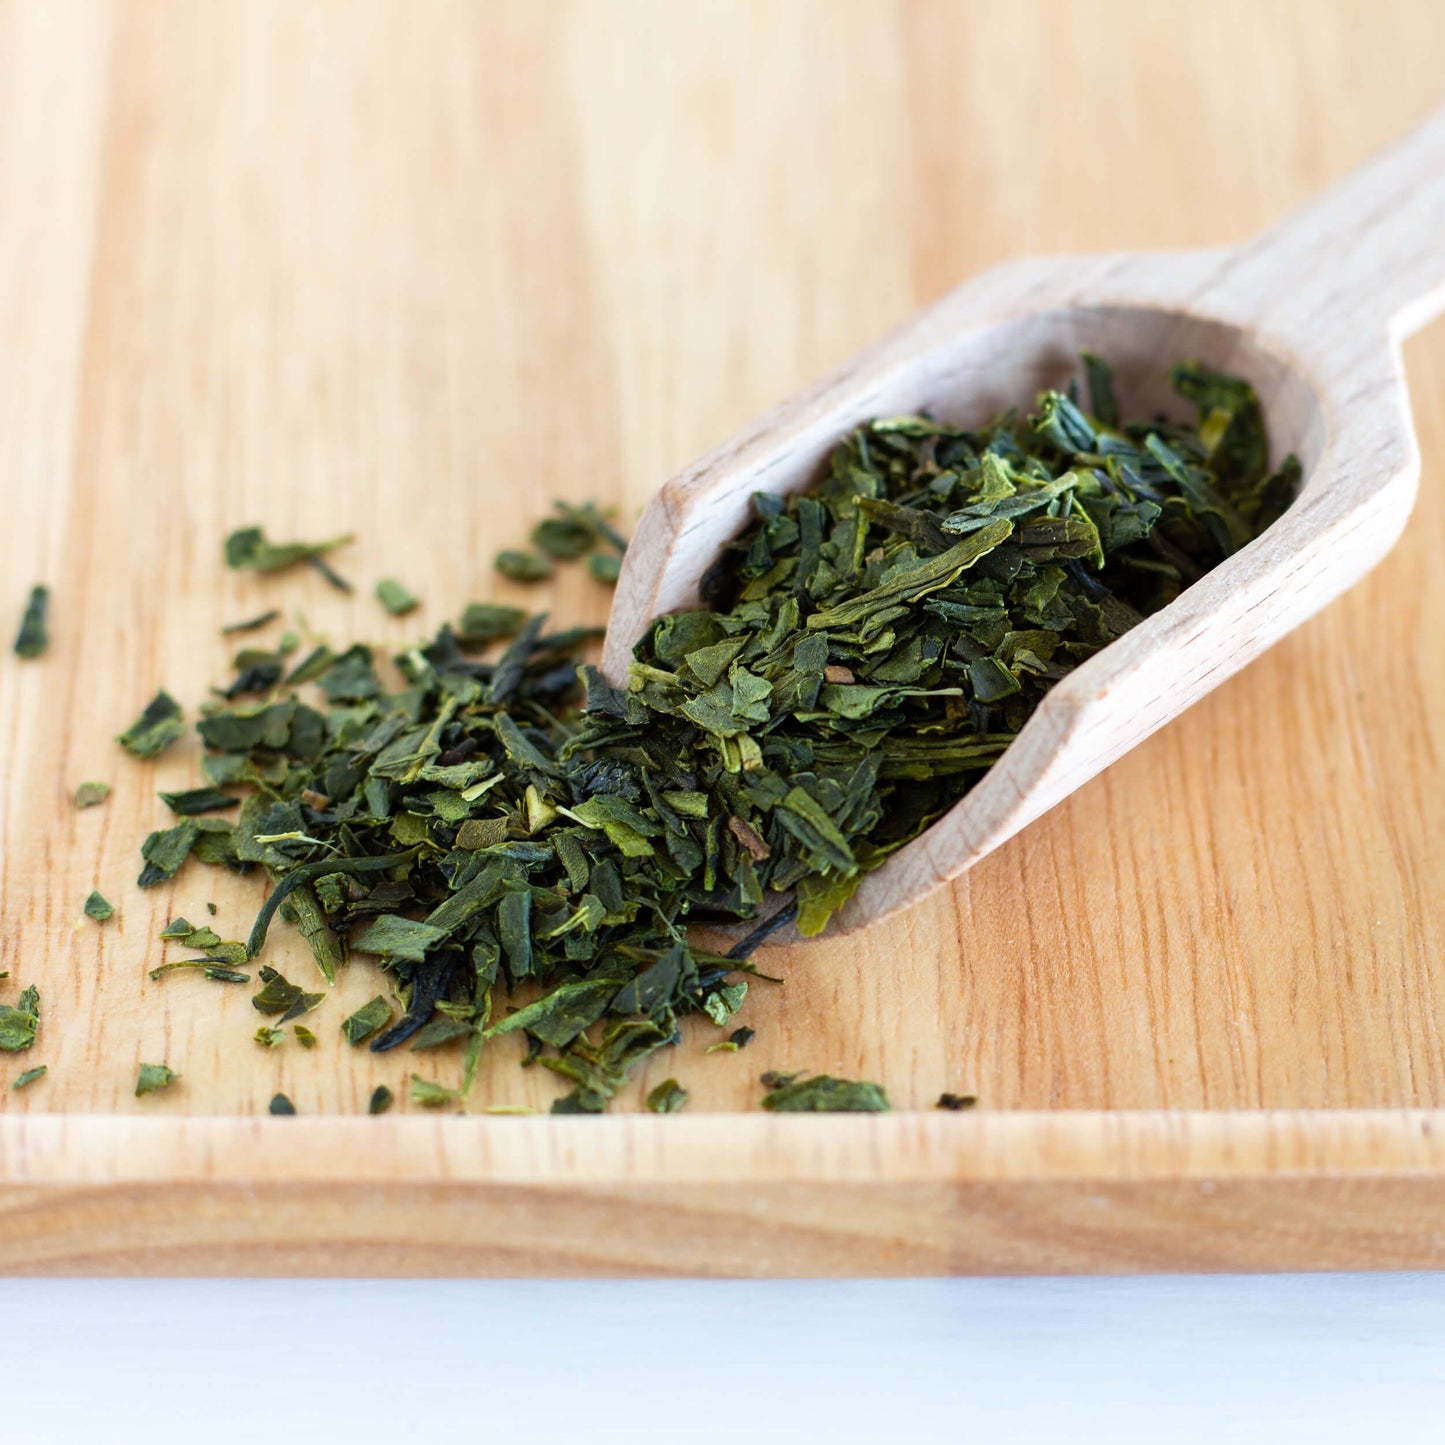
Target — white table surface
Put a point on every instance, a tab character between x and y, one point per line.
1348	1358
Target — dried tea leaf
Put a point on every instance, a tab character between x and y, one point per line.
153	1077
484	622
197	800
381	1100
278	996
395	598
523	566
823	1094
29	1077
268	1037
667	1098
164	852
155	729
370	1017
20	1021
251	624
430	1095
97	908
33	638
605	567
248	548
88	795
956	1101
304	1036
281	1105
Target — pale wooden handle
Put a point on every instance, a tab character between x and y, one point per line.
1371	248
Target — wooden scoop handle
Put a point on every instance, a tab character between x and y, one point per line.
1369	251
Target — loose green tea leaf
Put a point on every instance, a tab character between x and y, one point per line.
430	1095
395	598
381	1100
281	1104
523	566
153	1077
33	638
278	996
251	624
20	1021
268	1037
485	622
605	567
97	908
248	548
197	800
370	1017
823	1094
667	1098
30	1076
956	1101
87	795
304	1036
155	729
164	852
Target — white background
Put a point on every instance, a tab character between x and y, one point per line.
1357	1358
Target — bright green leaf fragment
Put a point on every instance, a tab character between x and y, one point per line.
822	1094
177	928
249	549
153	1077
370	1017
20	1021
430	1095
30	1076
304	1036
280	1104
381	1100
667	1098
155	729
523	566
33	637
395	598
97	908
268	1037
88	795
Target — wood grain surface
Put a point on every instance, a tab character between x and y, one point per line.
413	270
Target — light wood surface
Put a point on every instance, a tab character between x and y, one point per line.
415	270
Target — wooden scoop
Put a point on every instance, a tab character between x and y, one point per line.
1312	312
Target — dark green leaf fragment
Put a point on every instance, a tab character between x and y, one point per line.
251	623
605	567
87	795
523	566
97	908
823	1094
667	1098
164	852
30	1076
155	729
395	598
485	622
33	638
370	1017
281	1105
197	800
956	1101
279	996
381	1100
304	1036
153	1077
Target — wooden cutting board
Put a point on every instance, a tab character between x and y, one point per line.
413	271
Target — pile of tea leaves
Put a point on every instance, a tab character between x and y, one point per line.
521	846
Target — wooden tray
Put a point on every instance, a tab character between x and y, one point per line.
415	273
